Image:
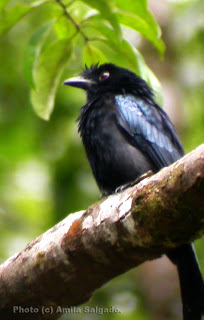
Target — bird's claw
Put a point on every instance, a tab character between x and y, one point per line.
133	183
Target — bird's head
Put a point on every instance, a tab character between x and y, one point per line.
109	78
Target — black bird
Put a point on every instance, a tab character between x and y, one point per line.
125	134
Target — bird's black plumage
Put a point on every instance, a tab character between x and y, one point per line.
125	134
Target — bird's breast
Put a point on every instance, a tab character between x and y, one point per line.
114	161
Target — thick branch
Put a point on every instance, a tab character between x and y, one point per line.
64	266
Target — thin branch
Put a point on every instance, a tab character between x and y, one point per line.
68	15
65	265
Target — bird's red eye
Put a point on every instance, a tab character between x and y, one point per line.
105	75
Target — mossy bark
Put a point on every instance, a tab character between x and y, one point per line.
64	266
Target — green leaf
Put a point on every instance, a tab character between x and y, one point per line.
93	55
147	29
64	28
51	63
133	10
142	24
132	60
33	50
113	51
95	23
139	8
104	7
3	4
10	17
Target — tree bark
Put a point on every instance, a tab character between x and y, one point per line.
64	266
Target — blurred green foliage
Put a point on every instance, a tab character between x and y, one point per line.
43	169
69	26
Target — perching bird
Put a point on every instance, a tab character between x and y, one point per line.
125	134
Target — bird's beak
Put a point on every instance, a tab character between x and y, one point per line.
79	82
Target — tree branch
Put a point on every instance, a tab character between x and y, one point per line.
65	265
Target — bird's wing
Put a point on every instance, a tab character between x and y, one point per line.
149	128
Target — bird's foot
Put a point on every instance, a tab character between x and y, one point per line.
133	183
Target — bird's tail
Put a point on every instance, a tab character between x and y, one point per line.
191	281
